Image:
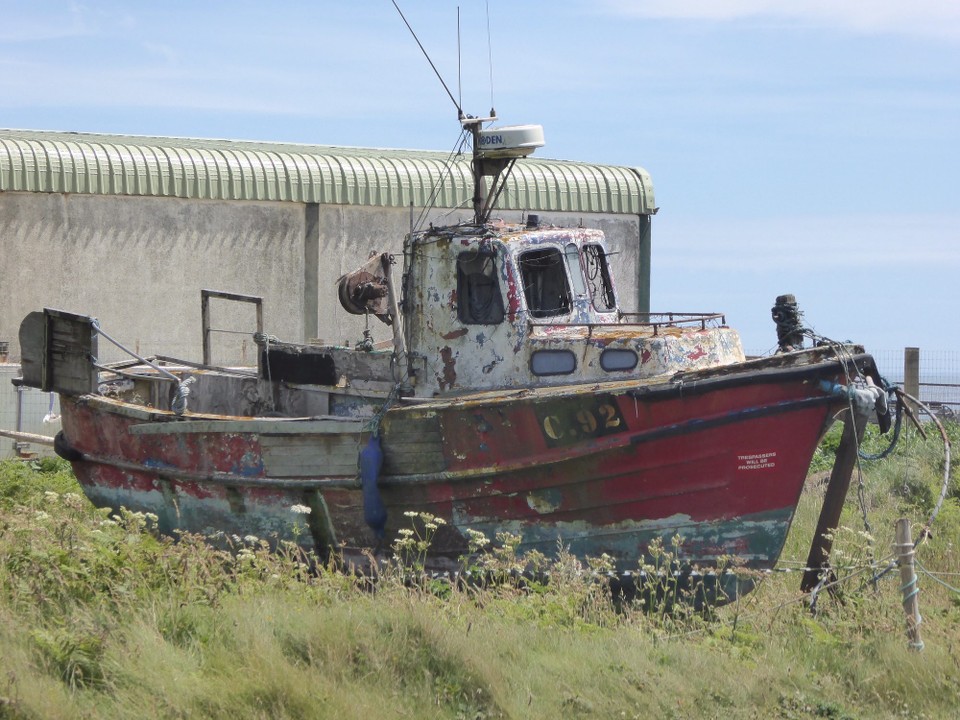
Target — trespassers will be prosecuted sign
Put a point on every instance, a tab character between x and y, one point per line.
757	461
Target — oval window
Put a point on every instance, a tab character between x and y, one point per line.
553	362
615	360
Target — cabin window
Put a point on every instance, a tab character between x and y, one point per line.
598	278
616	359
576	270
478	290
553	362
544	277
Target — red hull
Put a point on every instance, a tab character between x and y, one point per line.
719	460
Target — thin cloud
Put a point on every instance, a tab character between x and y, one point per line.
930	18
32	25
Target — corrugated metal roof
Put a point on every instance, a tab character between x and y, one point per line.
40	161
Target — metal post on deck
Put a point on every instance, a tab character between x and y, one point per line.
819	559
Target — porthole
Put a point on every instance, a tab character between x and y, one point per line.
553	362
617	360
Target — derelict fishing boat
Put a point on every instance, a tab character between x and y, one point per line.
516	397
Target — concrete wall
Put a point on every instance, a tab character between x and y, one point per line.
139	263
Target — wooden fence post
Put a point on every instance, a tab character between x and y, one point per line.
911	374
818	560
908	579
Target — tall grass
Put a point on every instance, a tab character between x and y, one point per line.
102	617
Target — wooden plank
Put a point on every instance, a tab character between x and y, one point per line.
312	444
413	464
261	426
413	454
413	447
411	426
395	440
282	465
310	456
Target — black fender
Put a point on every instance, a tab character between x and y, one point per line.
62	448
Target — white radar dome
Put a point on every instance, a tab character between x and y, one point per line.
510	142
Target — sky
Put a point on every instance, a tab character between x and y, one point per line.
796	146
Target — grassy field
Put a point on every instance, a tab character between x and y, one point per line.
102	618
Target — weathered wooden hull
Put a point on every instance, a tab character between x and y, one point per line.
717	457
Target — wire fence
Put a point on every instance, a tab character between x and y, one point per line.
25	410
939	377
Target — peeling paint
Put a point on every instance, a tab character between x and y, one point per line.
691	441
448	378
545	501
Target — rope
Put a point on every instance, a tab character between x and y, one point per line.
179	402
933	577
910	590
264	339
374	424
897	423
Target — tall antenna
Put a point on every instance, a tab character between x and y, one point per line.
423	50
459	64
493	112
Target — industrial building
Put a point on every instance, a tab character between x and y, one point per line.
130	229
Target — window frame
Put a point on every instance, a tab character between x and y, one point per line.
465	290
524	270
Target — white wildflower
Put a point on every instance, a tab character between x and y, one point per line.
300	509
477	538
251	539
41	515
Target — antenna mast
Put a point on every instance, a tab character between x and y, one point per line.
423	50
494	151
490	60
459	62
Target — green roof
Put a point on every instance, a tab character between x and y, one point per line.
59	162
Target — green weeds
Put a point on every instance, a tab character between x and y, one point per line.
100	616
